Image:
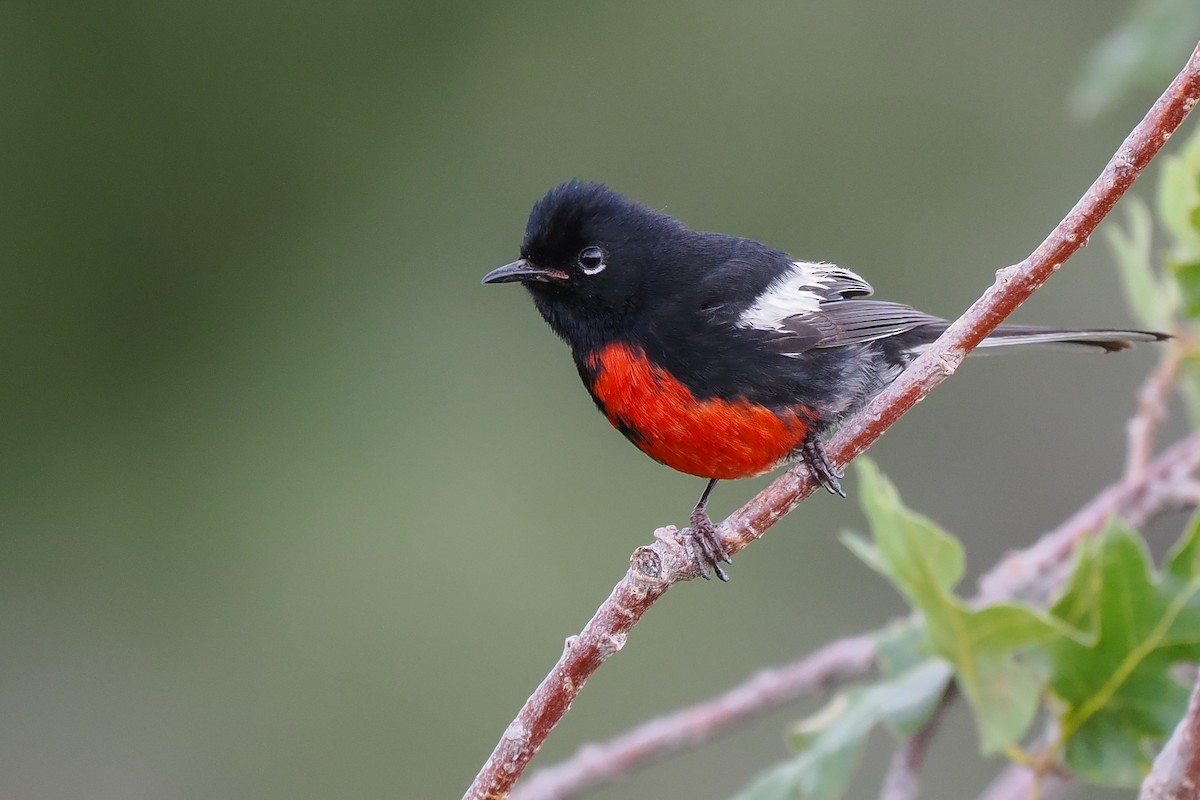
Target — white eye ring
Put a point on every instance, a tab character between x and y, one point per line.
591	260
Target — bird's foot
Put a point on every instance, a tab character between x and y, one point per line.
702	543
813	452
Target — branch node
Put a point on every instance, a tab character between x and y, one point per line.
611	644
661	563
1006	274
950	361
669	535
645	566
517	732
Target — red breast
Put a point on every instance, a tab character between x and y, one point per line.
710	438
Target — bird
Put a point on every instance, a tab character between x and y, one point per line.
717	355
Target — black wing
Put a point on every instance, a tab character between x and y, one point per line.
815	305
840	322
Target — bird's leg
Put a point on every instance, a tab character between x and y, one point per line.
702	542
812	450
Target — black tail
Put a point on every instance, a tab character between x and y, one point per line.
1104	339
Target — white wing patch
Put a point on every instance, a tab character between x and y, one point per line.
800	291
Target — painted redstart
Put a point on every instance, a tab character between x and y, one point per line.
716	355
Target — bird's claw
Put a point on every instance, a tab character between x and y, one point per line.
812	450
702	543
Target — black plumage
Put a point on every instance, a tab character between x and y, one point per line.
736	323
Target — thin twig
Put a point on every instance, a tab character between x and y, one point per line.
655	568
1030	782
594	764
1021	574
1018	782
903	778
1028	574
1176	771
1152	410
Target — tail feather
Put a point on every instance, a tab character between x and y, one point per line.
1107	340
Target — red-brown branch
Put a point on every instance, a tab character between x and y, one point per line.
653	569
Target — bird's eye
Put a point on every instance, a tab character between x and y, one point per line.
591	260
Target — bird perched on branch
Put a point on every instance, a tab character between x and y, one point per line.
716	355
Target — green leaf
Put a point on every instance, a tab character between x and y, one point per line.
831	741
1187	276
1117	691
1077	606
984	646
866	552
1179	211
1152	300
899	647
1142	53
910	549
1183	562
1179	199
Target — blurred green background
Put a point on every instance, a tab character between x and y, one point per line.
292	507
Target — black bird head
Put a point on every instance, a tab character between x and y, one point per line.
588	257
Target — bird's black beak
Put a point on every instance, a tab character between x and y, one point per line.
521	270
